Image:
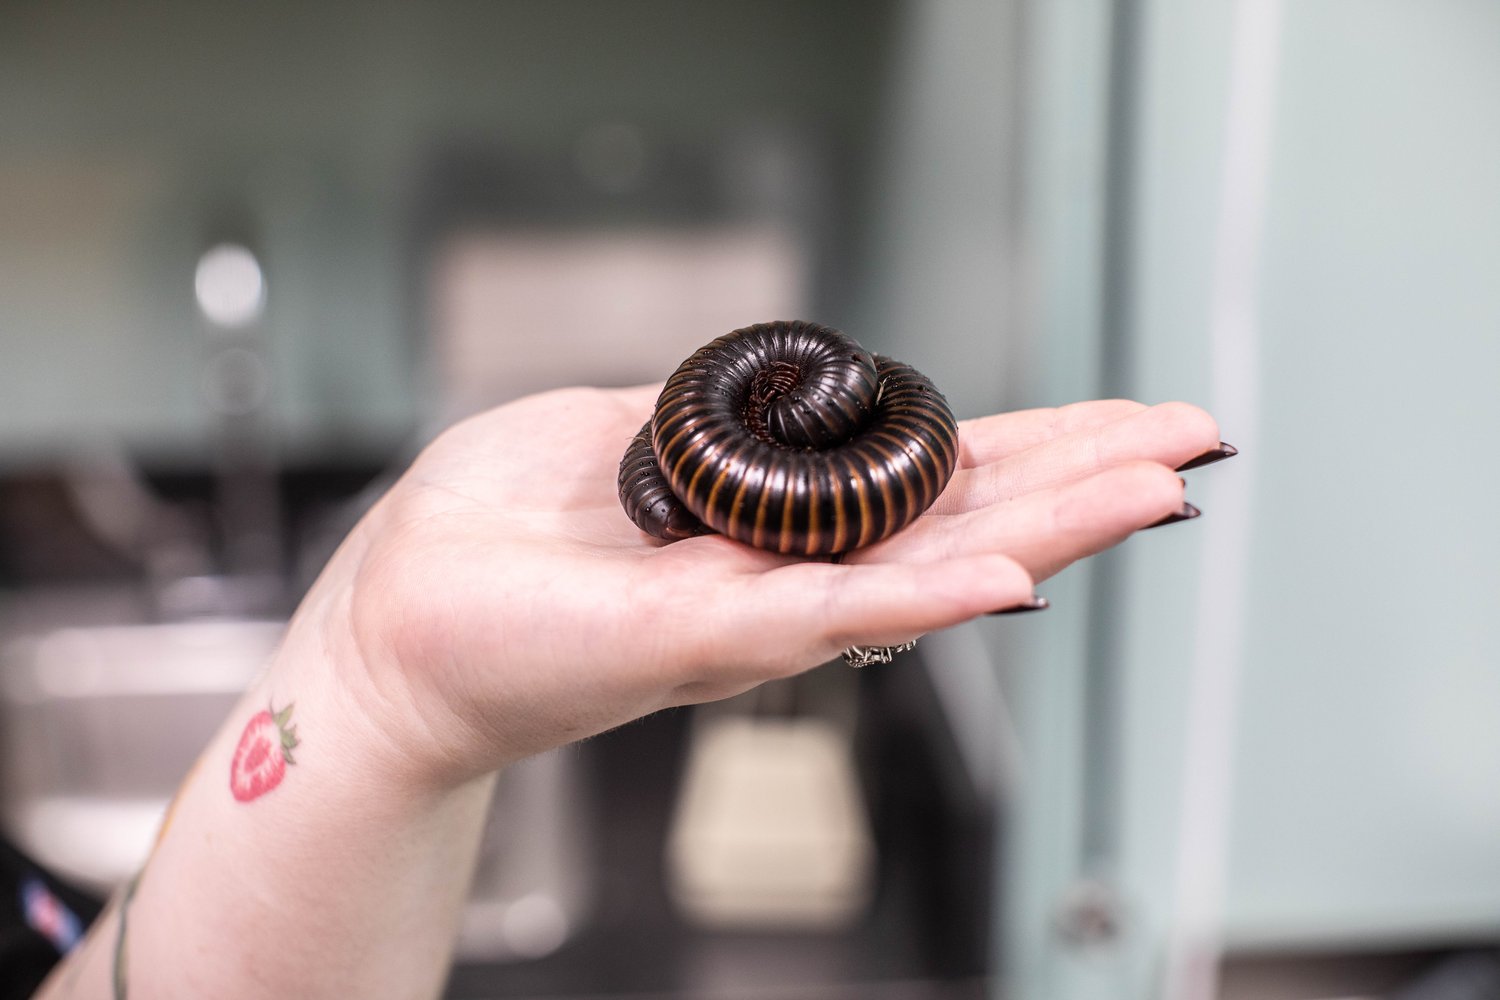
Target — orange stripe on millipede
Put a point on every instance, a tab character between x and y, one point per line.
711	505
930	427
737	502
861	485
814	531
786	512
758	535
883	481
840	519
676	472
704	448
913	454
692	486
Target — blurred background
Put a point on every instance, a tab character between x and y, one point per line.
252	257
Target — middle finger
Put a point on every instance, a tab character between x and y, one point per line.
1168	434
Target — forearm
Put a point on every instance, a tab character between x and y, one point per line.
341	873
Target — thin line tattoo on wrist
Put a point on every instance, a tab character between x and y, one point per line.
259	765
120	964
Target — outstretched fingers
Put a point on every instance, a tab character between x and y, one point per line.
1168	434
1047	530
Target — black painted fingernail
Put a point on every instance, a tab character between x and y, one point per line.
1035	604
1218	454
1187	513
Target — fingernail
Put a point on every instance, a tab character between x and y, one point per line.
1187	513
1218	454
1035	604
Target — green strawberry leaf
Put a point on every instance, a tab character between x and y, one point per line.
284	716
287	753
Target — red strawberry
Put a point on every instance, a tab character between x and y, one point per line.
265	750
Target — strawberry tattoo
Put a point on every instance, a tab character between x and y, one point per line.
265	750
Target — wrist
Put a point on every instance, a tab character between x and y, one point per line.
361	644
359	701
333	832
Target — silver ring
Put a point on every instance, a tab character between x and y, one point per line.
863	656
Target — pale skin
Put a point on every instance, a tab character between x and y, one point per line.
497	603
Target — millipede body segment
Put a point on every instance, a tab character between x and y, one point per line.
790	437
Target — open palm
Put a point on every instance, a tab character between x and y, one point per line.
500	592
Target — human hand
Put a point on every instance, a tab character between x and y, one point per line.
498	602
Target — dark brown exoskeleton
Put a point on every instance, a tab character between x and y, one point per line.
790	437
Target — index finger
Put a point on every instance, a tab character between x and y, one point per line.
989	439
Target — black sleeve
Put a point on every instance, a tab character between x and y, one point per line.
41	918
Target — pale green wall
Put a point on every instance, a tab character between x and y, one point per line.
1364	803
1368	790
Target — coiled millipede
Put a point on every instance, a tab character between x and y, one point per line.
789	437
